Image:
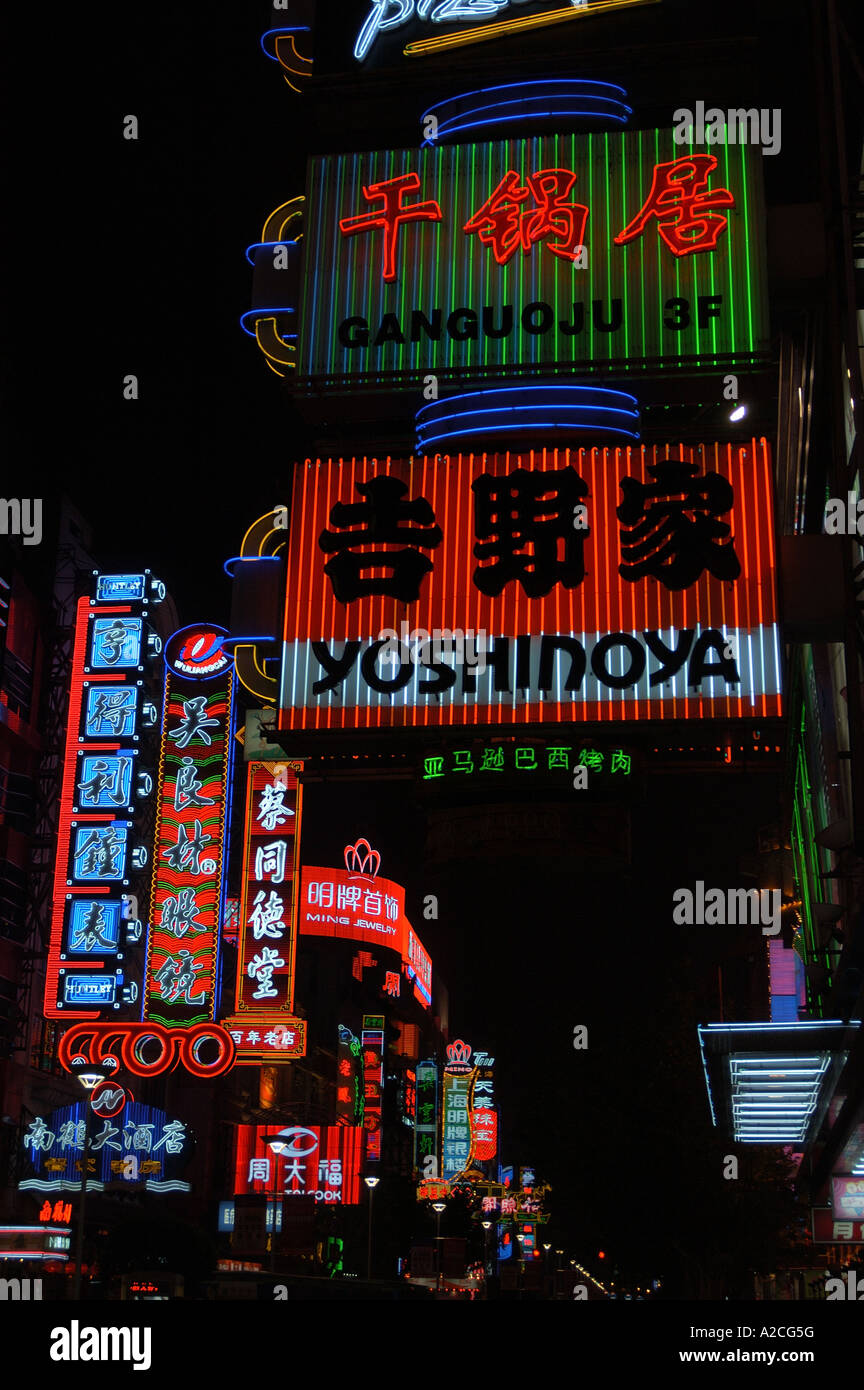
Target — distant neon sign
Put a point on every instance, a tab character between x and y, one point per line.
372	1045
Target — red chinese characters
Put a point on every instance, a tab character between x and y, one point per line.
392	213
523	212
684	206
519	215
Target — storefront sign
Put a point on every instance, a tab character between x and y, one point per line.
188	871
140	1148
598	250
96	952
608	584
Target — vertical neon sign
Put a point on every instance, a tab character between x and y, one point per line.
92	971
457	1139
426	1117
262	1025
194	787
372	1042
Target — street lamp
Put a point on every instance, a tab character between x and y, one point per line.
438	1207
487	1227
371	1183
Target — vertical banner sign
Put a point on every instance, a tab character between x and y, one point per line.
484	1117
426	1119
349	1085
263	1026
95	963
372	1041
194	789
458	1075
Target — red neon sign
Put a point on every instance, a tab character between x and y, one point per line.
318	1163
356	904
392	214
205	1050
183	948
519	215
684	206
89	933
372	1045
579	646
505	225
265	974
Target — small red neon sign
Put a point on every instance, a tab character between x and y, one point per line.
684	206
392	213
504	224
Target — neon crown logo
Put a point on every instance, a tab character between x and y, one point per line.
356	862
458	1053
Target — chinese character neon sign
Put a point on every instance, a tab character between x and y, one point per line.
95	958
188	869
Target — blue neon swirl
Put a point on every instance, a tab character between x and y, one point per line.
257	245
571	82
261	313
292	29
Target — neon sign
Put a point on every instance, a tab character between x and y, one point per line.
586	615
355	904
300	1162
94	965
457	1141
372	1045
144	1149
484	1116
603	250
426	1116
273	806
349	1084
387	16
517	759
188	869
148	1049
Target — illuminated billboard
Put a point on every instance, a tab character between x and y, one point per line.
592	251
604	584
457	1138
372	1046
95	956
262	1025
192	805
296	1161
365	34
355	904
138	1147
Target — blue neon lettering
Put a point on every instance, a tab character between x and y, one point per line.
392	14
